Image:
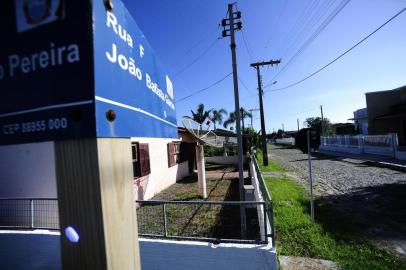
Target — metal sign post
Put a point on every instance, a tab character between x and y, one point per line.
310	174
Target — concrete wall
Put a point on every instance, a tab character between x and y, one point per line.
401	155
29	250
285	141
351	150
161	176
226	160
27	170
188	255
41	250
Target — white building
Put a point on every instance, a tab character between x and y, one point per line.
361	121
28	170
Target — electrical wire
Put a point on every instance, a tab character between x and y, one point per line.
341	55
315	34
192	48
246	45
204	89
196	59
245	86
306	25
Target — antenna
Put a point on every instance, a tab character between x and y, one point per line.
202	132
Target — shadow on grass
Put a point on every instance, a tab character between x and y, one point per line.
378	212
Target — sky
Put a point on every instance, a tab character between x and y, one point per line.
186	36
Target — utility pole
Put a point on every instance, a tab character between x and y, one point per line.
283	127
322	120
230	32
252	110
257	66
298	128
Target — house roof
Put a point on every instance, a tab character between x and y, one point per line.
391	90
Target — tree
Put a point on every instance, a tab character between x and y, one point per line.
244	114
201	114
217	116
232	117
316	124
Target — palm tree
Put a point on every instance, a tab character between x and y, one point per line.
244	114
200	115
232	118
217	116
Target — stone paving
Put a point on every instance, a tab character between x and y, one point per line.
367	201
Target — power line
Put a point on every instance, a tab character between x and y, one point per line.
203	89
245	86
306	25
196	59
246	46
192	47
341	55
315	34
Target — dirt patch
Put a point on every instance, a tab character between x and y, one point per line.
295	263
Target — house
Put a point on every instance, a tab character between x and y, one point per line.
387	113
28	170
361	121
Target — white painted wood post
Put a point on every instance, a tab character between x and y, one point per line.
201	171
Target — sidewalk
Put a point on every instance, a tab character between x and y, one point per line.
374	160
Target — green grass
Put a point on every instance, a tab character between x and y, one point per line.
272	165
296	235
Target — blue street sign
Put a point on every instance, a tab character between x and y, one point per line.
67	67
129	79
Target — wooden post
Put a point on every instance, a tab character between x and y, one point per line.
95	194
201	171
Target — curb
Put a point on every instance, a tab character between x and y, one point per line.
381	164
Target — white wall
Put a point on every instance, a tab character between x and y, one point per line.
401	155
42	251
225	160
28	170
188	255
161	176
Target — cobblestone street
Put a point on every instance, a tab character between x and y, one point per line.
332	175
352	197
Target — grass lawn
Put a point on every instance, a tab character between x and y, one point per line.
296	235
272	165
191	220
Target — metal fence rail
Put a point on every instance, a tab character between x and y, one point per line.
198	220
268	201
29	213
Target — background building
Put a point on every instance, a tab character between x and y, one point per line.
387	112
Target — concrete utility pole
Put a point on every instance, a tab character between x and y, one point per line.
230	32
298	128
261	106
322	120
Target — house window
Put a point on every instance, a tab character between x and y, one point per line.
174	153
140	157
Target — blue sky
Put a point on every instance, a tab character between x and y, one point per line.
276	29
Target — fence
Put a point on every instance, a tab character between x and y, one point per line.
385	145
199	220
29	213
286	141
266	197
